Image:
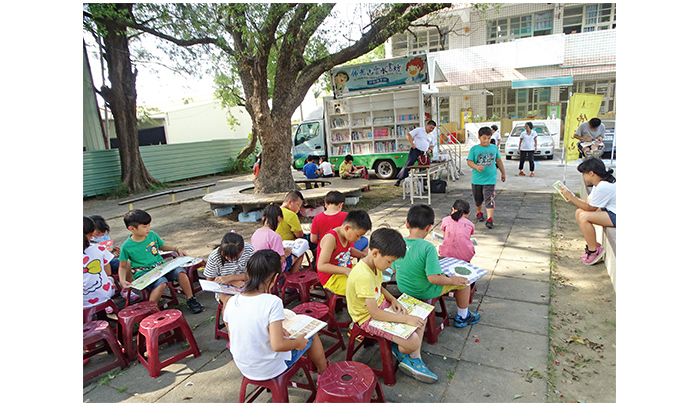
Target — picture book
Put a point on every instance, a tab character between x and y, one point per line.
155	273
454	266
211	286
298	325
298	246
414	307
558	186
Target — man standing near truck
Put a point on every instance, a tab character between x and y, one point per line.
422	142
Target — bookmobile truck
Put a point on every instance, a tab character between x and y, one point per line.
373	108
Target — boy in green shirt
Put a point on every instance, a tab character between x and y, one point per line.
483	159
139	253
418	273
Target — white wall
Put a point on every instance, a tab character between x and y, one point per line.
204	122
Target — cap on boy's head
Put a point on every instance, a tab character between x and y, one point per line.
388	242
334	197
348	158
484	131
420	216
359	220
135	218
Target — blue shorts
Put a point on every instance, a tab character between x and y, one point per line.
613	216
362	243
296	354
168	277
287	264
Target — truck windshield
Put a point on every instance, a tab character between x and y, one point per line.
306	132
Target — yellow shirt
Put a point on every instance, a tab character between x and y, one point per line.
363	283
344	166
289	225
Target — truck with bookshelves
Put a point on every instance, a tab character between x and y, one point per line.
373	108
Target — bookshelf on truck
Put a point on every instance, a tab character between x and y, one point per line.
373	108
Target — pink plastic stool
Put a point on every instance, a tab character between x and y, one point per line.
349	382
128	318
431	329
302	282
167	321
320	311
219	324
278	385
93	333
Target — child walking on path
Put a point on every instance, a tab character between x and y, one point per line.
600	208
139	254
368	300
418	274
336	249
483	159
261	348
458	232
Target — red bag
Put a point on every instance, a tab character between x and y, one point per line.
423	159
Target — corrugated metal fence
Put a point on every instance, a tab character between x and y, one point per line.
167	163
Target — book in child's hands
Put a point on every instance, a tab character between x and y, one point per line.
298	246
298	325
454	266
414	307
211	286
558	186
149	277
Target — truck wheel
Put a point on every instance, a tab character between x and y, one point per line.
385	170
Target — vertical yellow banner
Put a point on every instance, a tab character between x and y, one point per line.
582	107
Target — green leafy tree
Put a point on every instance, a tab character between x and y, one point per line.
268	56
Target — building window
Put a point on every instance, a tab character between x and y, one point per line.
591	17
420	43
509	29
509	103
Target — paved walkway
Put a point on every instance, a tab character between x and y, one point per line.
500	359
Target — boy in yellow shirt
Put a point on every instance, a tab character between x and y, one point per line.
367	300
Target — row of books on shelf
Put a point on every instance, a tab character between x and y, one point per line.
340	137
338	123
402	130
340	150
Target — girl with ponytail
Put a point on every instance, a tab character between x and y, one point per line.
458	231
600	208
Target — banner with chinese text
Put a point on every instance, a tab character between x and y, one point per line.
383	73
582	107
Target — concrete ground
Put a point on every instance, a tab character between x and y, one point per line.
486	362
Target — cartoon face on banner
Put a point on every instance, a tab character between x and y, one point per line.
378	74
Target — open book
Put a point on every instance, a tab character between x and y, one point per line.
298	246
454	266
211	286
558	186
414	307
149	277
301	325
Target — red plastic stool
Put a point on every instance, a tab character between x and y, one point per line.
321	312
171	299
431	329
302	282
332	302
128	318
89	312
389	364
93	333
152	327
219	324
349	382
278	385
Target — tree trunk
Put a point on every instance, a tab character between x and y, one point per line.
276	169
121	98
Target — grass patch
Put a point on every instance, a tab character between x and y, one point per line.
377	195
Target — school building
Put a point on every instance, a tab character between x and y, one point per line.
521	60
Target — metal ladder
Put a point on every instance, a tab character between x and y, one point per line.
454	151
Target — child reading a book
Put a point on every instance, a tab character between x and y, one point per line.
458	231
368	300
98	285
139	254
418	274
265	237
336	249
261	348
600	208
